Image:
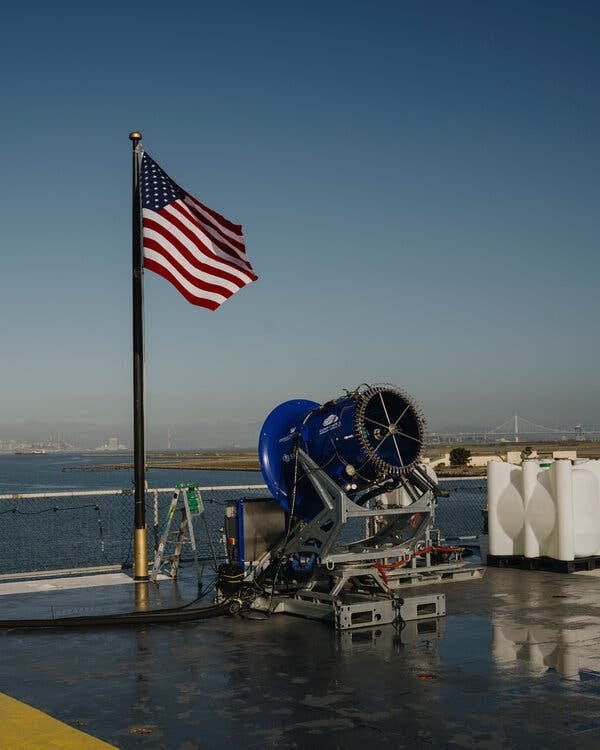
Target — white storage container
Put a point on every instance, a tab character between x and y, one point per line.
543	509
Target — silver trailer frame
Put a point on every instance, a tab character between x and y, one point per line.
340	571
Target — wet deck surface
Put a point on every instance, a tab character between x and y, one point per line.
515	664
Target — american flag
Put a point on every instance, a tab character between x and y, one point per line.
196	249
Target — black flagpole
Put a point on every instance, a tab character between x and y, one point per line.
140	570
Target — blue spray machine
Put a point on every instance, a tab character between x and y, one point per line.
351	515
370	438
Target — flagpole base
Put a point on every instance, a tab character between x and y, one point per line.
140	550
141	596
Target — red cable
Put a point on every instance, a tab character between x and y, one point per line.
382	567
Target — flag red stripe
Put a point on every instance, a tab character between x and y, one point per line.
234	228
156	259
200	301
180	217
233	255
207	286
194	260
224	243
236	239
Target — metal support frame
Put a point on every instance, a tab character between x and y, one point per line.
360	612
388	640
327	596
319	535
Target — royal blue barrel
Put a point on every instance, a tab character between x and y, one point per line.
368	436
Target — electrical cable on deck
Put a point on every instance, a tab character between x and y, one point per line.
383	567
183	613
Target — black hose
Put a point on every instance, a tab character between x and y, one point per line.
185	613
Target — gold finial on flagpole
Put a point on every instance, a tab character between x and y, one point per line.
135	136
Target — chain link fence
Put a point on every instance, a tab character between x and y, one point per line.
460	515
91	530
94	529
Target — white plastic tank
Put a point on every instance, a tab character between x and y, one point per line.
400	497
544	509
